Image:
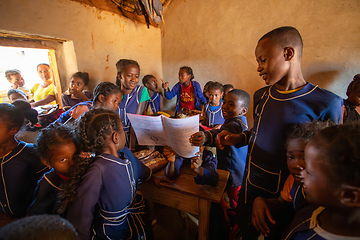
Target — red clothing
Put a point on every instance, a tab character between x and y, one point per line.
187	97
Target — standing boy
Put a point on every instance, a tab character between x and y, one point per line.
288	100
212	110
230	158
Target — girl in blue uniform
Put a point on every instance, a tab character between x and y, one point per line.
106	95
331	180
134	95
21	167
155	103
102	195
56	145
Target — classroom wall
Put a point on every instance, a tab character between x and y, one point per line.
218	38
96	39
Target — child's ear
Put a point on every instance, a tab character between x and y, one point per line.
119	76
46	163
115	138
101	98
244	111
350	196
289	53
14	130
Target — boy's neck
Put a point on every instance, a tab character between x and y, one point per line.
341	221
125	91
151	92
217	104
291	81
187	84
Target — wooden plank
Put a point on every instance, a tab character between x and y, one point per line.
204	217
170	197
56	78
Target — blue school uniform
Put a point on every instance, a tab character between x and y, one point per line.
46	194
66	115
105	205
176	91
209	164
129	104
213	115
21	169
274	113
310	229
231	158
154	103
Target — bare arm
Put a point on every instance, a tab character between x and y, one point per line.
48	99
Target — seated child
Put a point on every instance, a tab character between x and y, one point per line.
205	90
204	164
76	93
213	114
41	227
230	158
264	209
155	103
187	91
331	180
16	94
17	82
102	198
56	145
227	88
352	103
134	95
21	166
106	95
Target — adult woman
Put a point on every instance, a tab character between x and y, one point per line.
43	92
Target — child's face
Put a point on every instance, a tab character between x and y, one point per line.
130	77
317	185
44	72
152	84
295	158
232	106
354	96
214	96
272	66
6	133
17	81
16	96
77	84
111	101
62	158
184	77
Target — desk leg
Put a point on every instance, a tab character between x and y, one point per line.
204	217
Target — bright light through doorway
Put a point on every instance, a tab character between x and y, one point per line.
23	59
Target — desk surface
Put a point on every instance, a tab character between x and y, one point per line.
185	183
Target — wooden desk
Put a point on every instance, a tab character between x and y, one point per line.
184	194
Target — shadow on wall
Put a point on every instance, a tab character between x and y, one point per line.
324	79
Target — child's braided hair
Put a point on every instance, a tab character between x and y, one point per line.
93	131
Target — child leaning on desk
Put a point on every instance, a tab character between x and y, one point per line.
204	164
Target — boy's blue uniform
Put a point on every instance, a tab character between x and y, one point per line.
176	91
213	115
46	194
129	104
274	113
231	158
209	164
20	170
154	103
105	203
66	115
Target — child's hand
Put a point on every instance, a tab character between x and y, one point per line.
226	138
165	85
78	94
169	154
260	213
198	139
196	163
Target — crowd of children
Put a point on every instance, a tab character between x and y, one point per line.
293	175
